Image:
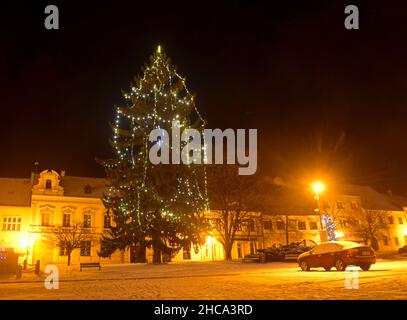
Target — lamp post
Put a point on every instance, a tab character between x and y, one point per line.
318	187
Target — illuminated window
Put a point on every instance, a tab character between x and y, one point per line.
239	250
85	248
11	223
400	219
396	241
48	184
391	219
87	220
313	225
62	249
66	221
339	205
354	205
250	226
280	225
268	225
45	219
301	225
325	204
385	241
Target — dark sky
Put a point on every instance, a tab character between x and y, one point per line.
326	101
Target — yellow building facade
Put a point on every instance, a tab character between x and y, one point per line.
29	207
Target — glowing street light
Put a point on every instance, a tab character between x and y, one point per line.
318	187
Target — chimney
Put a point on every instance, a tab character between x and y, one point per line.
32	177
62	173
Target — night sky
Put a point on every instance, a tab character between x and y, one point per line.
326	101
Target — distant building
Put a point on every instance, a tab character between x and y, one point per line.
28	207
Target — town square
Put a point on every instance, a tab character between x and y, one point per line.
229	154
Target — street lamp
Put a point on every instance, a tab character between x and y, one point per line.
318	187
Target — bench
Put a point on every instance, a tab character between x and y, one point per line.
90	265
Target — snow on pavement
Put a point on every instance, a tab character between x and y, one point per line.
212	280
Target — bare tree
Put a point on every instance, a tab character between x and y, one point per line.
231	197
68	238
371	226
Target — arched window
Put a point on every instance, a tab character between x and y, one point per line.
48	184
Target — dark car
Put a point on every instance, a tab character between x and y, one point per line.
403	249
287	252
338	254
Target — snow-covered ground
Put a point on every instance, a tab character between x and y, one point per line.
212	280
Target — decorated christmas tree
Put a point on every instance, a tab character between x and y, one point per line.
159	206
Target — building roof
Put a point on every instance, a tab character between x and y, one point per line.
76	186
283	200
15	192
397	200
370	198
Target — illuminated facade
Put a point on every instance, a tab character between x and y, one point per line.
28	207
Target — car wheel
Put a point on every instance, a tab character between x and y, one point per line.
339	265
304	265
365	267
327	268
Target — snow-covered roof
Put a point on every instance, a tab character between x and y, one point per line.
77	186
370	198
15	192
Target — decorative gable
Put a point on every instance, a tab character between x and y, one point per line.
48	184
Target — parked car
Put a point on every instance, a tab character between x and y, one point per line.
403	249
338	254
287	252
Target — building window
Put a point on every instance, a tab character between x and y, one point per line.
250	226
385	241
280	225
400	219
301	225
313	225
106	221
85	248
45	217
62	249
48	184
396	241
268	225
391	219
186	253
339	205
11	223
354	205
239	227
325	204
343	223
66	220
87	220
252	248
87	189
239	250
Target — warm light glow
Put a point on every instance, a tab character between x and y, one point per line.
339	234
318	187
24	242
210	240
159	49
